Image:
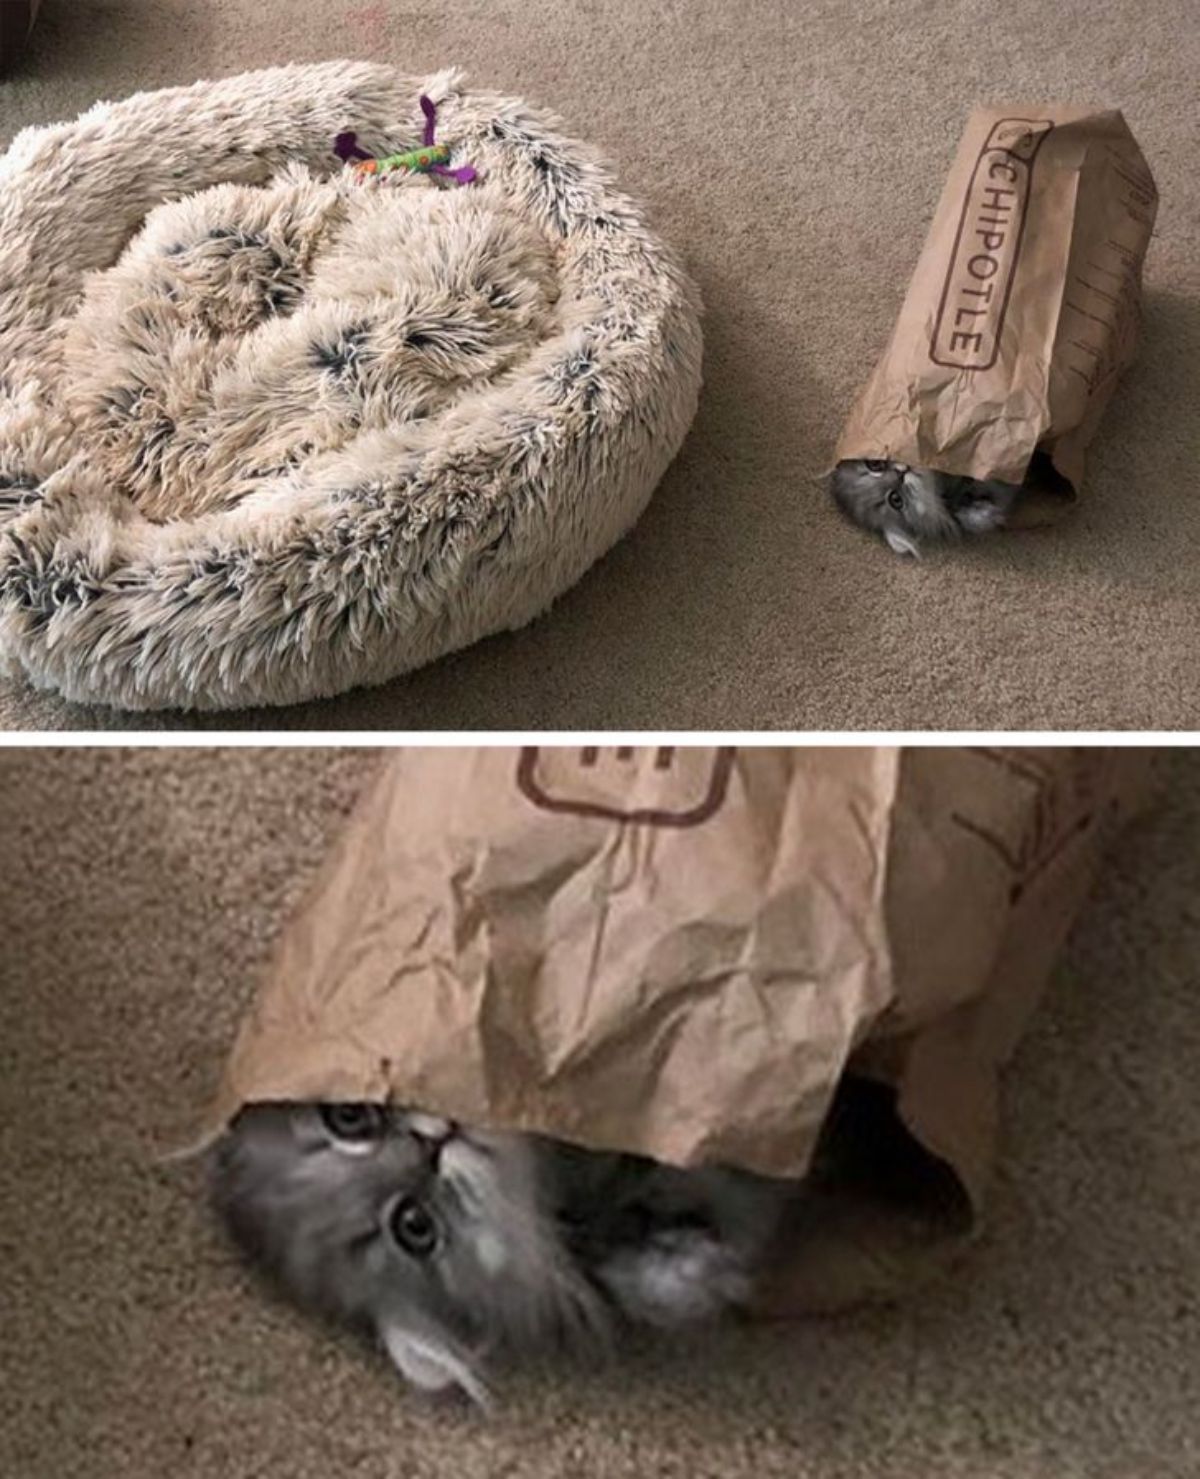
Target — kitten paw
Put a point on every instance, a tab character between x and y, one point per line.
679	1277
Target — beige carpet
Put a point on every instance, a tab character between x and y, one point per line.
141	891
795	151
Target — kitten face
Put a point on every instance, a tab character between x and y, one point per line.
434	1239
451	1246
907	505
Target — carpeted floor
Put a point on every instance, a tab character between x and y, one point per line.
795	150
141	892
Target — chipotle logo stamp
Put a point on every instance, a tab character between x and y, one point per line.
1060	805
970	317
659	786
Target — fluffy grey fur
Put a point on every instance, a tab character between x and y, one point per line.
909	506
456	1248
267	433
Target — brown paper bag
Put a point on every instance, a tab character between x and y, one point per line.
679	951
1024	307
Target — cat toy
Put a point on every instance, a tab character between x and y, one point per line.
430	159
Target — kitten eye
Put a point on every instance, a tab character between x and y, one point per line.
895	499
356	1122
874	464
413	1227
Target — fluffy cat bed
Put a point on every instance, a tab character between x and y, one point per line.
269	431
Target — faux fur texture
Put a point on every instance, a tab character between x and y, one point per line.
267	433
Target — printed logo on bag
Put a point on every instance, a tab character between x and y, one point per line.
659	786
1062	797
966	332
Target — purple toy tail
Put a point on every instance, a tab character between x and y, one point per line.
429	108
346	147
464	175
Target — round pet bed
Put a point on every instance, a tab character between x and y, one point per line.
272	426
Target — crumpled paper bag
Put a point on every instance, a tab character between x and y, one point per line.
680	951
1024	307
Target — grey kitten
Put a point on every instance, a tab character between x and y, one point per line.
907	505
453	1247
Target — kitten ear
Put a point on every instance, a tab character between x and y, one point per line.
430	1365
901	543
